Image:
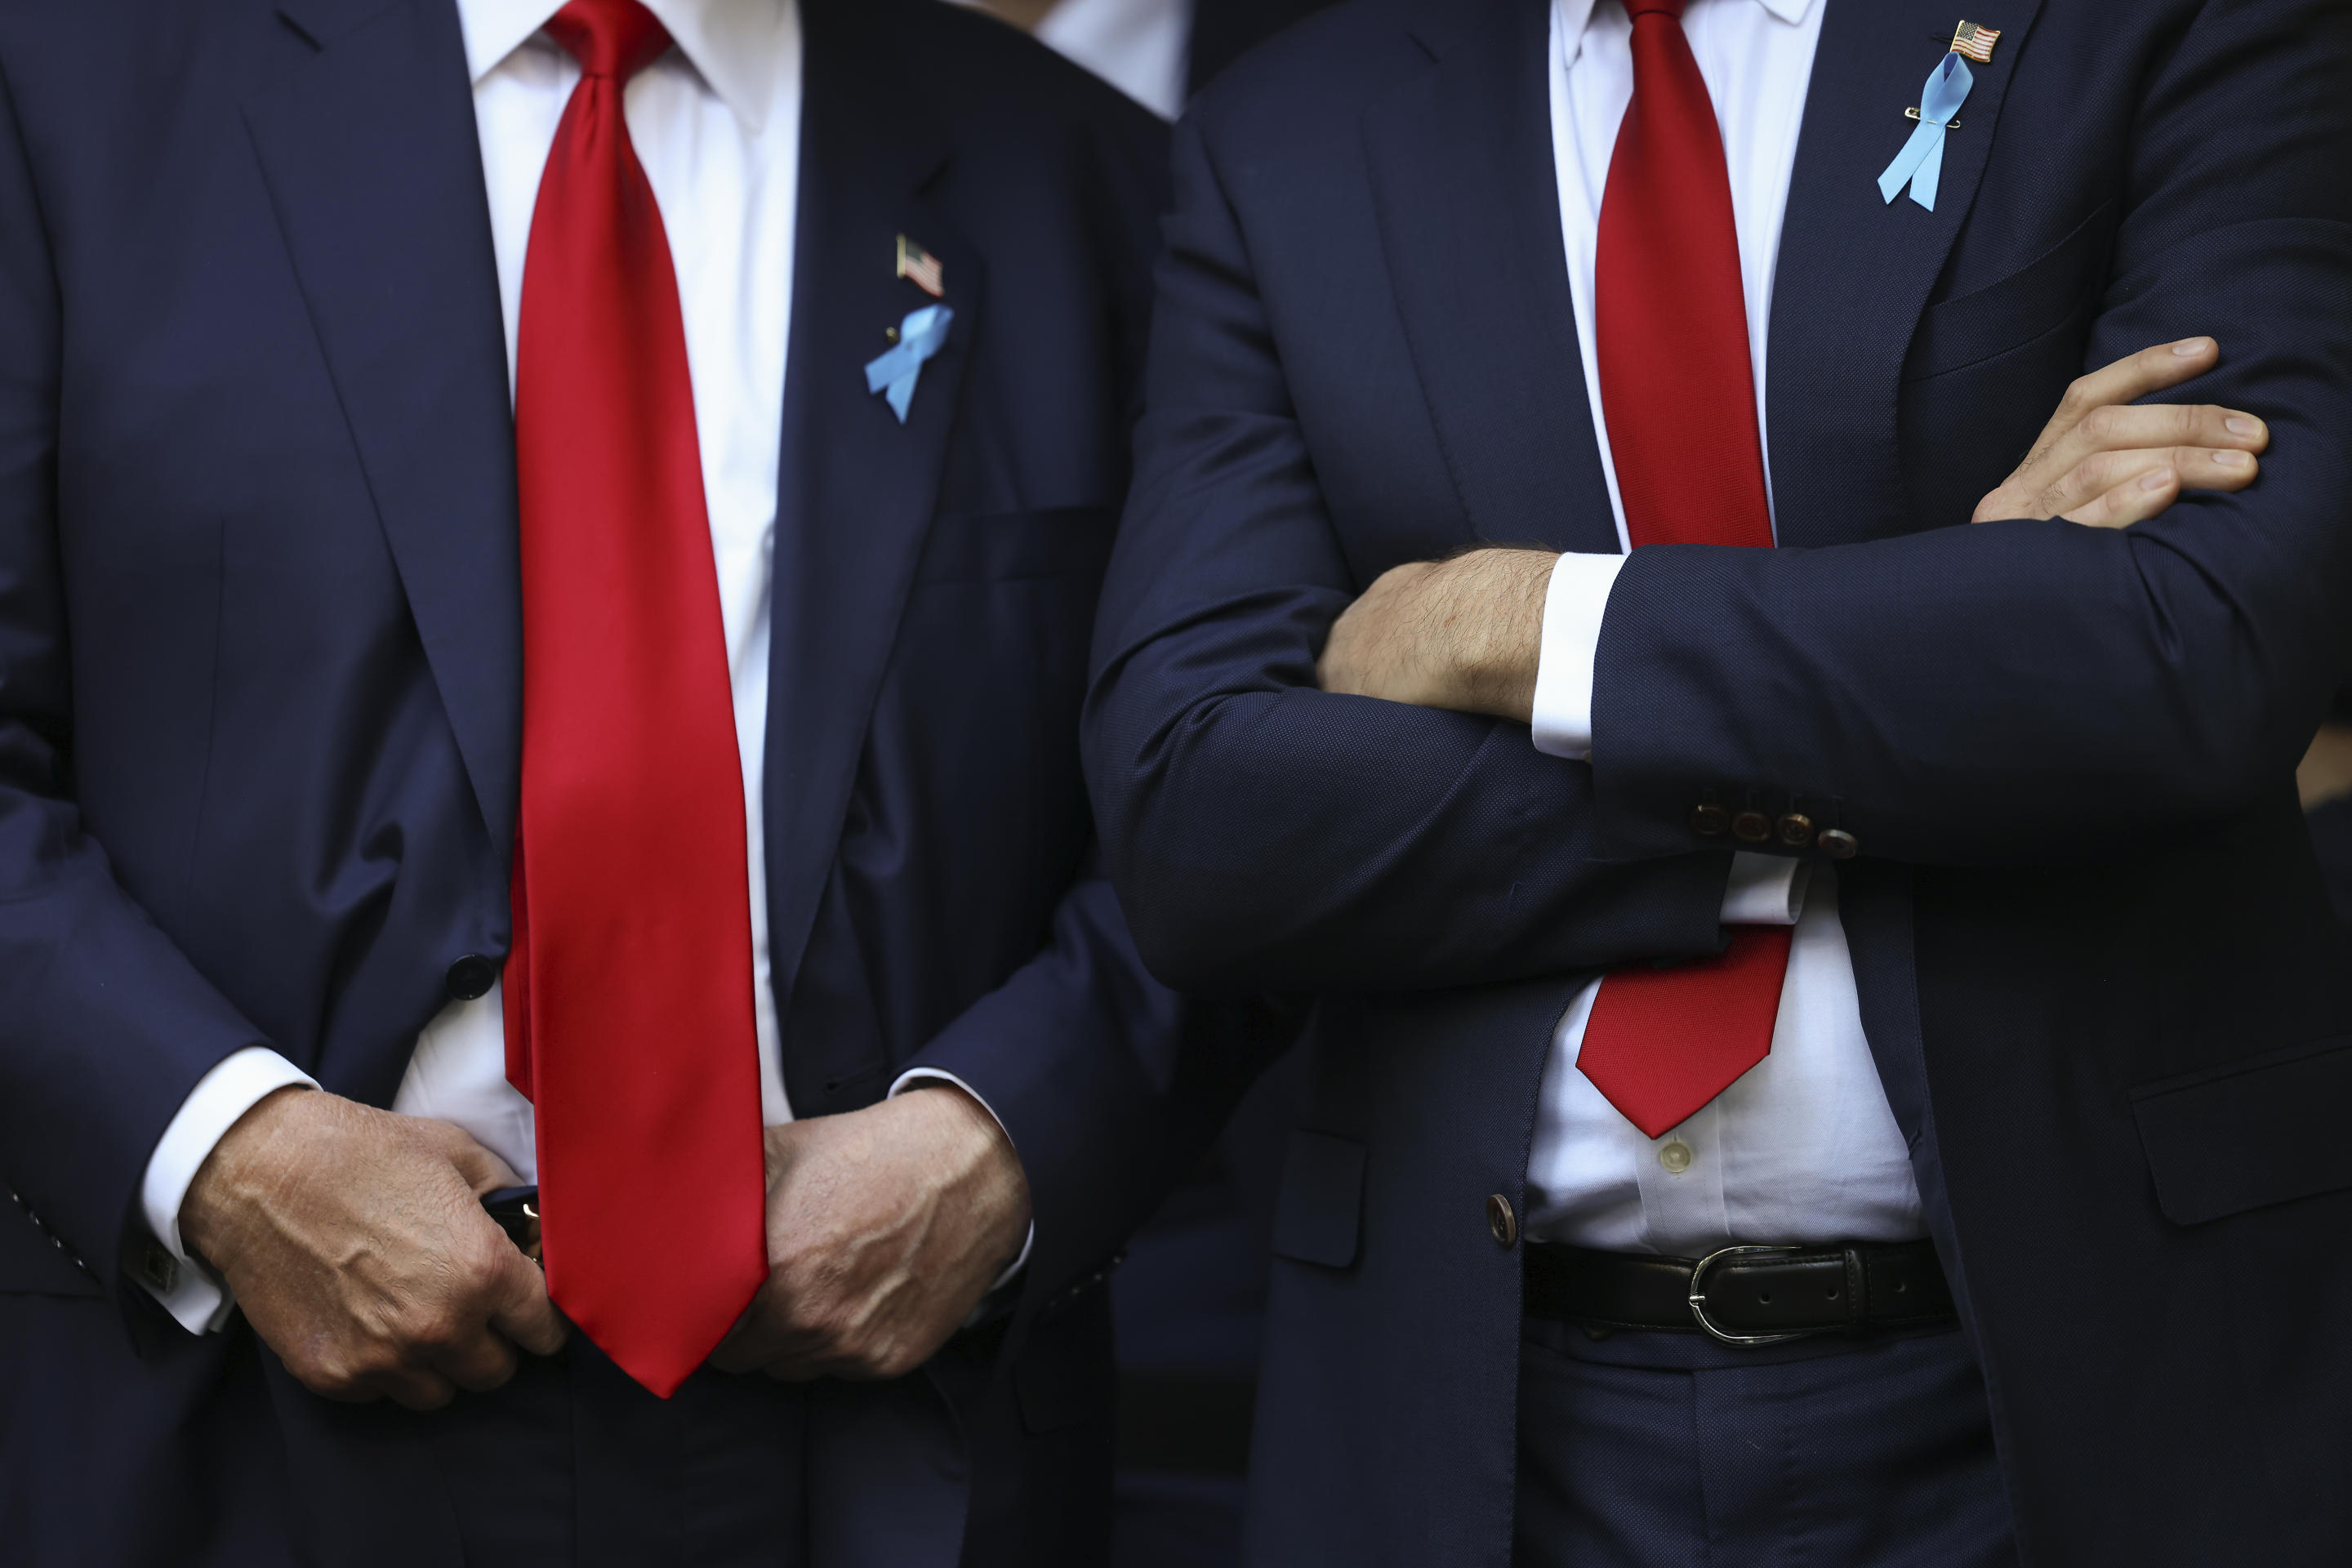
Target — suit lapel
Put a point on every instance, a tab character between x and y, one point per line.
1468	205
371	159
1855	270
858	488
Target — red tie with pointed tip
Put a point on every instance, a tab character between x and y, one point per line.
628	994
1679	394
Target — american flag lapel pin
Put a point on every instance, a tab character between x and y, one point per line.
1976	42
921	268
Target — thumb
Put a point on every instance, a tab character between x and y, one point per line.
477	1166
524	1312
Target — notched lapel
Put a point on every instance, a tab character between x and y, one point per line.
1468	205
858	488
1855	270
369	156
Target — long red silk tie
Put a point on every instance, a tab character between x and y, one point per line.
628	994
1679	394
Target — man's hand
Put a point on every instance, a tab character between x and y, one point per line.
1464	634
2103	463
356	1244
885	1228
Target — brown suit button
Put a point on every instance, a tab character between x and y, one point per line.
1752	828
1839	845
1796	830
1710	821
1501	1223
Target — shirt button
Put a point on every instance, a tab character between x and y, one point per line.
470	978
1676	1157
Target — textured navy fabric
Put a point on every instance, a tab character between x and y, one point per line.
258	681
2066	754
1668	1451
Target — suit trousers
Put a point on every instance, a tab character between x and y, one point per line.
1656	1450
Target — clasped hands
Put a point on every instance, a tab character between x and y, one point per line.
355	1242
1467	634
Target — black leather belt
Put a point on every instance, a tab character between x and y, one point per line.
1743	1295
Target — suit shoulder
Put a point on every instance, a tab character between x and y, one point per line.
1323	70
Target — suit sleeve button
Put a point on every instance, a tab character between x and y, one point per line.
1752	828
1796	830
1710	821
1839	845
470	978
1501	1223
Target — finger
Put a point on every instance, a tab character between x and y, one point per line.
2125	381
2136	376
2198	469
522	1310
2136	501
477	1362
2128	427
418	1390
757	1338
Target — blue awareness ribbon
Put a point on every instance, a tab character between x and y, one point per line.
894	373
1921	162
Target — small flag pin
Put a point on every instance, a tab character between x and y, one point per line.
1975	42
921	268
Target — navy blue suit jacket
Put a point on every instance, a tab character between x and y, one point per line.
259	668
2107	998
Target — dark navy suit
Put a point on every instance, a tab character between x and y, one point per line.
259	688
2109	1005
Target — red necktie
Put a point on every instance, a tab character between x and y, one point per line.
628	998
1680	399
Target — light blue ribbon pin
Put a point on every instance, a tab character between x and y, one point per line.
894	373
1921	162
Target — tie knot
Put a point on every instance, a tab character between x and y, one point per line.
615	39
1672	10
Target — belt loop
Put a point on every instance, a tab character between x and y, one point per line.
1857	1289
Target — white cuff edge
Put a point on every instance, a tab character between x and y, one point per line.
913	1075
236	1084
1574	602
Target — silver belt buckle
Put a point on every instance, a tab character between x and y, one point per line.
1698	1298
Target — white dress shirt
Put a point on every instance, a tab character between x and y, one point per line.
716	123
1803	1147
1144	48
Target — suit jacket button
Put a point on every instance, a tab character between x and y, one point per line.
1839	845
1710	821
1752	828
470	978
1796	830
1501	1223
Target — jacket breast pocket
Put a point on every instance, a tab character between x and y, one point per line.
1319	1216
1010	546
2055	287
2264	1130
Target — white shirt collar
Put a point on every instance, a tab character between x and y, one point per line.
1575	13
738	46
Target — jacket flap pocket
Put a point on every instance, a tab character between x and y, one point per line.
2248	1134
1316	1218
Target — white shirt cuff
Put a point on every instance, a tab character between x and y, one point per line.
914	1075
236	1084
1765	890
1573	602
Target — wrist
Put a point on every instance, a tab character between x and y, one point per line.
227	1182
980	1156
1497	613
